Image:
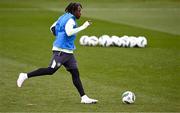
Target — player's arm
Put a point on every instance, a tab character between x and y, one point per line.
52	28
71	31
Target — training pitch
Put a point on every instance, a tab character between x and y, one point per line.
152	73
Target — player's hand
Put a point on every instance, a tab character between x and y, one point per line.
90	22
87	23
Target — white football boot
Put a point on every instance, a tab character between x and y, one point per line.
21	79
86	100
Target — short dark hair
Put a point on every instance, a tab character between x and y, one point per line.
72	7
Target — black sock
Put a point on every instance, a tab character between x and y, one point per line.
76	81
41	71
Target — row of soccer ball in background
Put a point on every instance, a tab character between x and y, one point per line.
106	41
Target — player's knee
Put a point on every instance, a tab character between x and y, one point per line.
52	71
71	70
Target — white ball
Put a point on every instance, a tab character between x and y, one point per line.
100	41
105	41
121	42
83	40
128	97
141	41
132	41
115	40
125	40
93	41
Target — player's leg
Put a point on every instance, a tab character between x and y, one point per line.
39	72
71	66
76	81
57	60
53	67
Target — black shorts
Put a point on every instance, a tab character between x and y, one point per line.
61	58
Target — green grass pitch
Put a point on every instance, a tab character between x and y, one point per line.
152	73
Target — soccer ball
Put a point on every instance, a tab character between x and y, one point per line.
121	43
84	40
141	41
125	40
128	97
105	41
132	41
93	41
115	40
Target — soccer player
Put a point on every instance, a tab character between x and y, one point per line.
65	30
